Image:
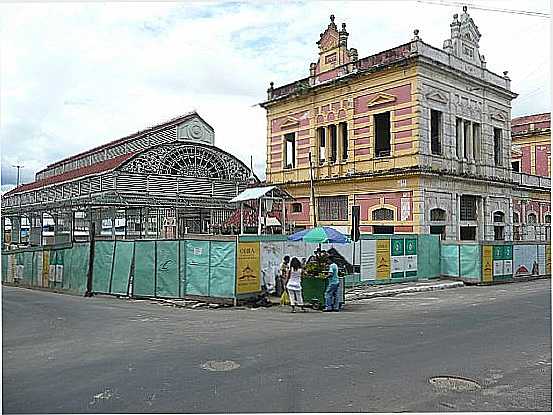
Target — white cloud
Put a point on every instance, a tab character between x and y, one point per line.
74	75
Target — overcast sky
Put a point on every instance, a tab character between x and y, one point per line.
77	75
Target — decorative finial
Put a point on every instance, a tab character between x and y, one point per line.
455	16
271	84
416	33
505	73
332	18
343	26
464	9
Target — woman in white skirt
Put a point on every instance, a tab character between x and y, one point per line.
294	284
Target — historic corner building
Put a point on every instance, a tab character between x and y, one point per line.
163	182
531	163
418	137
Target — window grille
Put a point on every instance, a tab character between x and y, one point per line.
383	214
468	207
333	208
498	217
437	215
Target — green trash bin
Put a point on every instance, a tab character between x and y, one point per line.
313	290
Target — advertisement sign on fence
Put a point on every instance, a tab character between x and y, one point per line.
487	264
368	260
247	268
383	259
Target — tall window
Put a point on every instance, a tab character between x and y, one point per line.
333	208
333	143
382	134
499	228
476	140
468	207
458	136
344	130
468	233
515	165
436	132
322	144
497	150
515	217
290	140
532	219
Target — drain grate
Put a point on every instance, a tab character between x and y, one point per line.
220	365
454	383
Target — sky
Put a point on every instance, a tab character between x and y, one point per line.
77	75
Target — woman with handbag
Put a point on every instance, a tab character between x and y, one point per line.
293	284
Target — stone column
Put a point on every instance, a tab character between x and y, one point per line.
327	144
339	157
470	144
484	221
458	210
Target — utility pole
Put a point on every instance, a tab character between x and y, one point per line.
19	167
312	191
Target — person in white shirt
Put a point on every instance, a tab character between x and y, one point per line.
293	284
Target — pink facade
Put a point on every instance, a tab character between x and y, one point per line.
368	201
525	163
541	160
402	95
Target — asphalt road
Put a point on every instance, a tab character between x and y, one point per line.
64	353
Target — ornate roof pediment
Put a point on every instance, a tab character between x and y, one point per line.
290	122
329	38
498	116
437	96
381	98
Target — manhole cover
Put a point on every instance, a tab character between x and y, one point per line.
220	365
454	383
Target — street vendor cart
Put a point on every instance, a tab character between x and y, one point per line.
315	277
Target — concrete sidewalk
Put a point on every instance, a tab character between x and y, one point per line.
387	290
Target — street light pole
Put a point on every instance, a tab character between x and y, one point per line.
19	167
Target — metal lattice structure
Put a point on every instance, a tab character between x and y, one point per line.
164	187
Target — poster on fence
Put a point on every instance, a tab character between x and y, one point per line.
271	258
382	259
541	259
525	260
368	259
248	268
487	263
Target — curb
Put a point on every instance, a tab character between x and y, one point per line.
389	293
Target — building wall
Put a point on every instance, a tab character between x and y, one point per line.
411	181
354	103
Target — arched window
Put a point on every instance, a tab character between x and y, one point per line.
547	218
532	218
516	218
498	216
437	215
383	214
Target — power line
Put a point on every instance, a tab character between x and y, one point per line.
490	9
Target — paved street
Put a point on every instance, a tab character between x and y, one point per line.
64	353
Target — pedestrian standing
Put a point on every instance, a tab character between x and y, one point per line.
281	280
293	285
331	293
